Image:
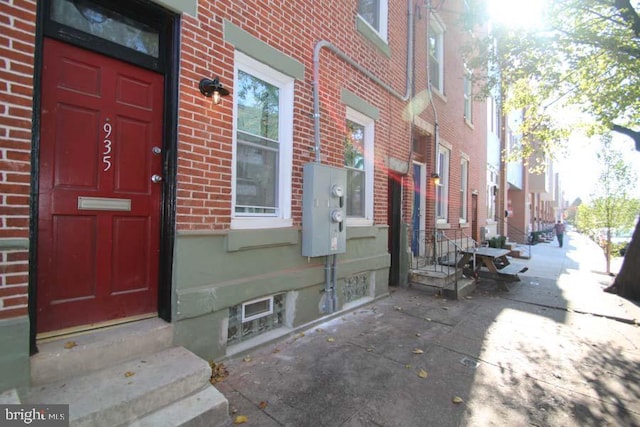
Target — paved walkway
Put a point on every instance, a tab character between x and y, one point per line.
554	351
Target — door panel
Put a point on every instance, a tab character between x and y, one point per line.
99	212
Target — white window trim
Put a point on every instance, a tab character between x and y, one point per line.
468	96
438	29
383	13
285	83
444	183
464	187
369	137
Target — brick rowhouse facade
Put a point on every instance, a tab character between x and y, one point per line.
217	266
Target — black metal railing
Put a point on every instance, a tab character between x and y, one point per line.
439	250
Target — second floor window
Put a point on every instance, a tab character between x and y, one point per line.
374	12
436	56
468	97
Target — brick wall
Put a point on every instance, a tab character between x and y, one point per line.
293	28
17	38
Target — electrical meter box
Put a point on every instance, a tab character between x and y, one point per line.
324	204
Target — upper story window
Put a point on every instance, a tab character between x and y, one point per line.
468	97
263	110
358	160
375	13
436	56
442	189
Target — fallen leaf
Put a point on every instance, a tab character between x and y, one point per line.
407	366
129	374
319	330
369	350
301	334
70	344
246	359
240	419
330	339
398	308
418	335
262	404
218	372
418	351
276	350
445	308
234	411
457	399
423	373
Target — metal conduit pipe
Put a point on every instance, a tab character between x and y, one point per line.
324	44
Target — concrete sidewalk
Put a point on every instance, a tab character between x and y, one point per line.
554	350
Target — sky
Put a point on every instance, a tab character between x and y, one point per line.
579	169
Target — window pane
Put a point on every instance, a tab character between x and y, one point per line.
256	179
257	146
354	146
355	193
258	105
86	16
369	11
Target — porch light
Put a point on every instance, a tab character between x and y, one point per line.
436	179
213	89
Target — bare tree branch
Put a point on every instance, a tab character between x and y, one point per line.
629	14
630	133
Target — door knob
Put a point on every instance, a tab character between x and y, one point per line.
156	179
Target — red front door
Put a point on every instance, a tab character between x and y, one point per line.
99	211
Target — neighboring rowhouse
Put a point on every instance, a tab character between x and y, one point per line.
153	162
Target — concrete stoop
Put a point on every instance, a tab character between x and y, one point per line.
137	380
445	280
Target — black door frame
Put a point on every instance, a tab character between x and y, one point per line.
167	64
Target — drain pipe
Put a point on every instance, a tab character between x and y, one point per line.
331	264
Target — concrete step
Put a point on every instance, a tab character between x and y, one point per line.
205	408
132	390
98	349
466	286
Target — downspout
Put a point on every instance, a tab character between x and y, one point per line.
436	142
331	263
324	44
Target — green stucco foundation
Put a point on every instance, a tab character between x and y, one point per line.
14	357
217	270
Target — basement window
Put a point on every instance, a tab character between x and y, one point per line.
252	318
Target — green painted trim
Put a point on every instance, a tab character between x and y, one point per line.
14	357
365	232
201	301
261	51
14	244
182	6
370	34
352	100
238	240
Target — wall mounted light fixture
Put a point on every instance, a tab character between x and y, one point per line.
213	89
436	179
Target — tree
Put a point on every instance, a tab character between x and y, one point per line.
587	55
612	208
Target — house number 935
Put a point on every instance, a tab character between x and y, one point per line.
106	154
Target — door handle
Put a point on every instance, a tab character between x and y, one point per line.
156	178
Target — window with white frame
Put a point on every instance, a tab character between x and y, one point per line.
464	185
263	110
374	13
358	161
436	56
492	191
442	188
468	96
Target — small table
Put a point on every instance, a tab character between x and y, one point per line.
485	256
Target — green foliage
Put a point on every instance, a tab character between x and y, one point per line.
498	242
587	55
612	209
